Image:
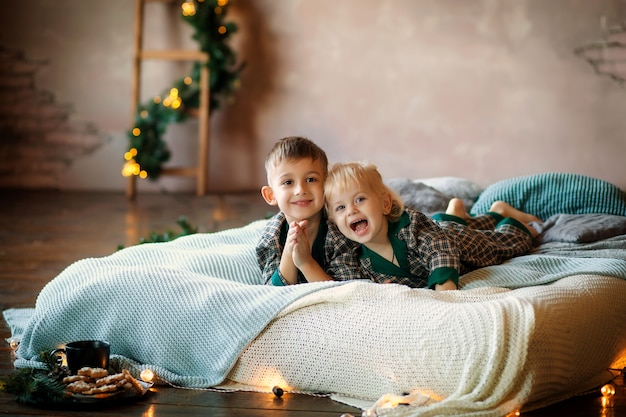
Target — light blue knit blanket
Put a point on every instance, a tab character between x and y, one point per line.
189	307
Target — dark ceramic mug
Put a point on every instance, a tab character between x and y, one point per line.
91	353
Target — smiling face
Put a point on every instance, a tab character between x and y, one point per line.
297	188
359	213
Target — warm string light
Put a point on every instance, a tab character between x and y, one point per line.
173	100
607	390
278	391
189	8
131	167
14	343
147	375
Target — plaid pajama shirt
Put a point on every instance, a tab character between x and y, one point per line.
423	245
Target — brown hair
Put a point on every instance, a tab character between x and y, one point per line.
295	147
342	175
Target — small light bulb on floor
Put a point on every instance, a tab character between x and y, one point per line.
608	390
146	375
278	391
14	343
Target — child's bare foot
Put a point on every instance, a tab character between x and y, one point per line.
457	208
506	210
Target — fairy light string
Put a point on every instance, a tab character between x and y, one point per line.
147	151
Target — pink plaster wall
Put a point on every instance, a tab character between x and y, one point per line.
478	89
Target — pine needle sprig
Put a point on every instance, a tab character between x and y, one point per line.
34	386
187	229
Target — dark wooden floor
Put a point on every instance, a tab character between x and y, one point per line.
42	232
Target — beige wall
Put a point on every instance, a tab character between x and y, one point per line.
478	89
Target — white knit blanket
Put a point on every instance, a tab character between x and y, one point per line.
482	352
192	310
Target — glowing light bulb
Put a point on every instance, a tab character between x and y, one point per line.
128	169
189	9
146	375
608	390
188	80
278	391
222	30
136	131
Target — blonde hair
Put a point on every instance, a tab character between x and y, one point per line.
294	148
342	175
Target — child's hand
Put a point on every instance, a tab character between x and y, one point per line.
288	267
448	285
292	239
301	249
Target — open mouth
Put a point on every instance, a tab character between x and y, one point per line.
358	226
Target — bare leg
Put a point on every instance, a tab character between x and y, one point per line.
457	208
506	210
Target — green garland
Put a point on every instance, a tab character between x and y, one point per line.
40	387
147	151
187	229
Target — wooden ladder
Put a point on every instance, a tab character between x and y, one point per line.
201	169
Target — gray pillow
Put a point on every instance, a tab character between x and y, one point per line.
421	197
581	228
454	186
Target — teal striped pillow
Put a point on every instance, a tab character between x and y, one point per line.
555	193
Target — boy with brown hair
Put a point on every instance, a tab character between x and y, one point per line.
292	248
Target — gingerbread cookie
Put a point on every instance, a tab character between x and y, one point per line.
103	389
110	379
95	373
80	387
136	384
75	378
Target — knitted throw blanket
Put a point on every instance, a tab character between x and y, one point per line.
193	310
187	308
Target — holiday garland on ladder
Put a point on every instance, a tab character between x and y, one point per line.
147	150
